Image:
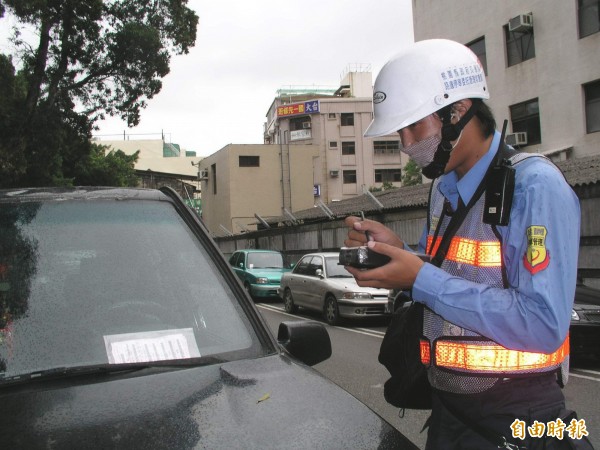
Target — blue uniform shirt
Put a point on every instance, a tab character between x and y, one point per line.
540	247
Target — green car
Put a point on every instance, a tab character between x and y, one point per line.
260	271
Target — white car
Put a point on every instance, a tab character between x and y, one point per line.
320	283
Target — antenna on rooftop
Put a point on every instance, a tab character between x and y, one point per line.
372	197
328	212
227	232
290	216
262	221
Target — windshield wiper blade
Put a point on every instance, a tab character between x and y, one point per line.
64	372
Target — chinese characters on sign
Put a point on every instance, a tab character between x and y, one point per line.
557	428
294	109
462	76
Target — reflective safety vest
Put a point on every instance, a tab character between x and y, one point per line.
487	357
460	360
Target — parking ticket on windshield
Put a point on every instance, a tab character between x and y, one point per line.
151	346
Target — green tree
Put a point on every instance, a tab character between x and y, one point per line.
93	58
386	186
114	168
412	174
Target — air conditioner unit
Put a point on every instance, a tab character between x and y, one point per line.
334	173
203	175
305	124
518	138
521	23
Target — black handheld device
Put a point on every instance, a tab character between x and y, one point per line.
499	189
362	257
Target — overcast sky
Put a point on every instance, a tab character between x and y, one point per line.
219	93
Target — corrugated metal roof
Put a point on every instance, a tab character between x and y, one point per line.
577	171
581	171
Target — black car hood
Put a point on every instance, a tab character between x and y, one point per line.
587	295
269	402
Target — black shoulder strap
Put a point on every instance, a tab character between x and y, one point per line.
455	222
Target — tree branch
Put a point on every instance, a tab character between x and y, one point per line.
65	51
39	69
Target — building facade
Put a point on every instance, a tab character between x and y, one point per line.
162	164
244	185
334	121
541	61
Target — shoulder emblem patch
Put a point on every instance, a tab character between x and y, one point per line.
536	257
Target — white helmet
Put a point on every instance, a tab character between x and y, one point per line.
421	80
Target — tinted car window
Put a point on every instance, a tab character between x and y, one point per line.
236	259
302	267
87	285
315	263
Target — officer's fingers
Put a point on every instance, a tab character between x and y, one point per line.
368	278
353	243
356	235
349	221
383	248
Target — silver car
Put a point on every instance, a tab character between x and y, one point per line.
319	283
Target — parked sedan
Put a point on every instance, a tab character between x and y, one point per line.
585	322
260	271
122	326
319	283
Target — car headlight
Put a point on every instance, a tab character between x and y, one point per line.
262	280
357	295
574	315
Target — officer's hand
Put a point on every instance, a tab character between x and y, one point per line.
377	232
400	273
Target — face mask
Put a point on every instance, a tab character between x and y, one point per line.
423	152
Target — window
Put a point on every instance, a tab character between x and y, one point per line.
592	106
349	176
526	117
589	17
347	119
315	264
333	145
331	116
388	175
382	147
237	259
520	46
300	123
348	148
249	161
478	47
302	267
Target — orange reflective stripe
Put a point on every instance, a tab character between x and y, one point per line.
425	351
492	358
469	251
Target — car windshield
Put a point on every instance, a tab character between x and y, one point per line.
334	269
265	260
97	282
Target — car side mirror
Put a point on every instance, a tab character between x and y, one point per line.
319	273
307	341
241	265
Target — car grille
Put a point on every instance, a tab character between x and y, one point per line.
374	310
592	316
